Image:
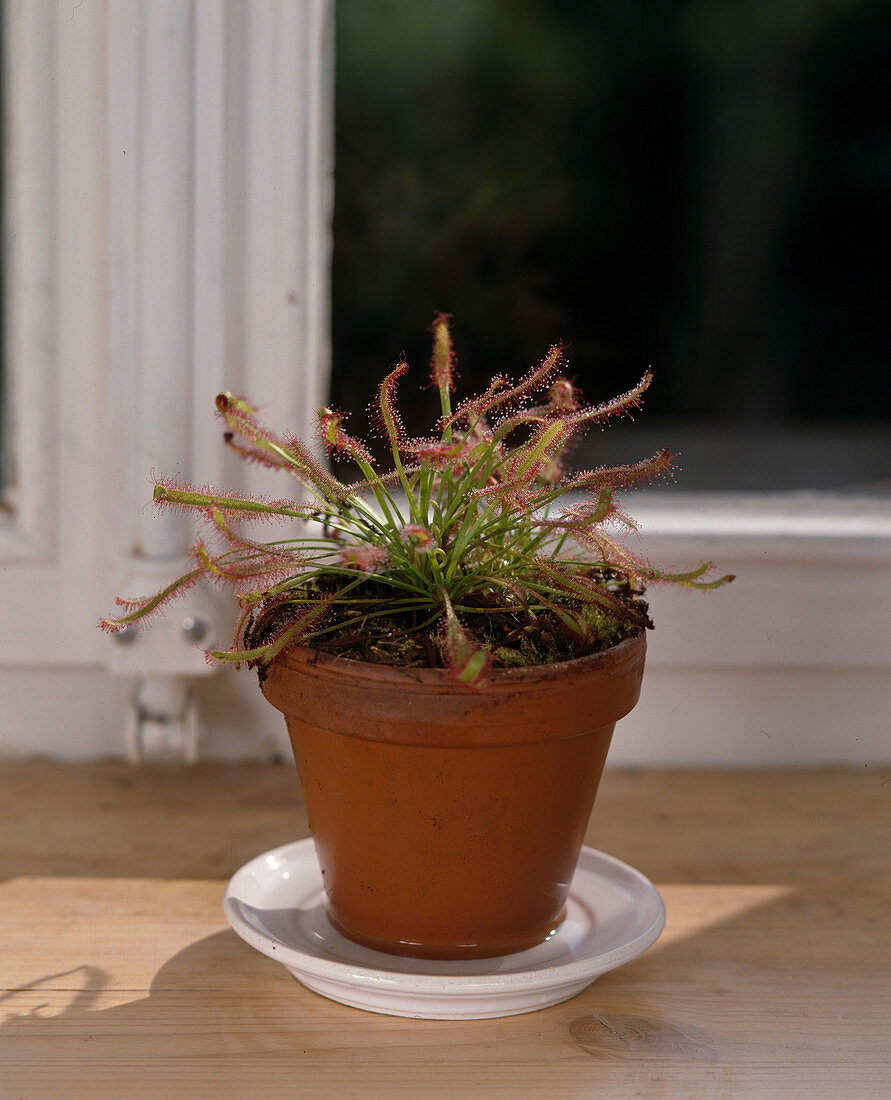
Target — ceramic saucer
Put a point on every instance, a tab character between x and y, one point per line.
276	904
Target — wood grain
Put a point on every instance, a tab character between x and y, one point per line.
120	978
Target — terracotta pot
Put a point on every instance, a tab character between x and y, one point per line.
448	820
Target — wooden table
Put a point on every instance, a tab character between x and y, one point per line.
119	976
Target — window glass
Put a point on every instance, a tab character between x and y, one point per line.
702	187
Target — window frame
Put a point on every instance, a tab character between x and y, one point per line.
812	591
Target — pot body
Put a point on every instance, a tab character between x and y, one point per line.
448	820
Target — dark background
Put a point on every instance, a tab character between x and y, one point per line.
700	186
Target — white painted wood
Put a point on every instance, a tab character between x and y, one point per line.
757	718
848	527
287	209
813	587
157	252
163	125
55	352
217	89
127	481
718	717
27	526
77	714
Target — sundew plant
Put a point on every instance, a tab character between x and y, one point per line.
478	549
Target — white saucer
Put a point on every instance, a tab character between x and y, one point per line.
276	904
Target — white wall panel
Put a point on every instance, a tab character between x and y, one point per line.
168	197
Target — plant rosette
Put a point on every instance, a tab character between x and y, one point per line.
451	641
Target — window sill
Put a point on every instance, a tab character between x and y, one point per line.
812	587
782	526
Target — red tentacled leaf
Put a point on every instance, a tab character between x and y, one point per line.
442	363
337	441
146	607
385	415
496	397
465	658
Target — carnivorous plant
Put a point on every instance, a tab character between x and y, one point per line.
477	549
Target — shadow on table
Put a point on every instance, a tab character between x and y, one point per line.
219	1013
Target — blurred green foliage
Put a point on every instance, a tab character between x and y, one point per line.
699	185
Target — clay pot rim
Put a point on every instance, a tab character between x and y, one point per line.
610	661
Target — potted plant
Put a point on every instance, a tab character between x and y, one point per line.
451	641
